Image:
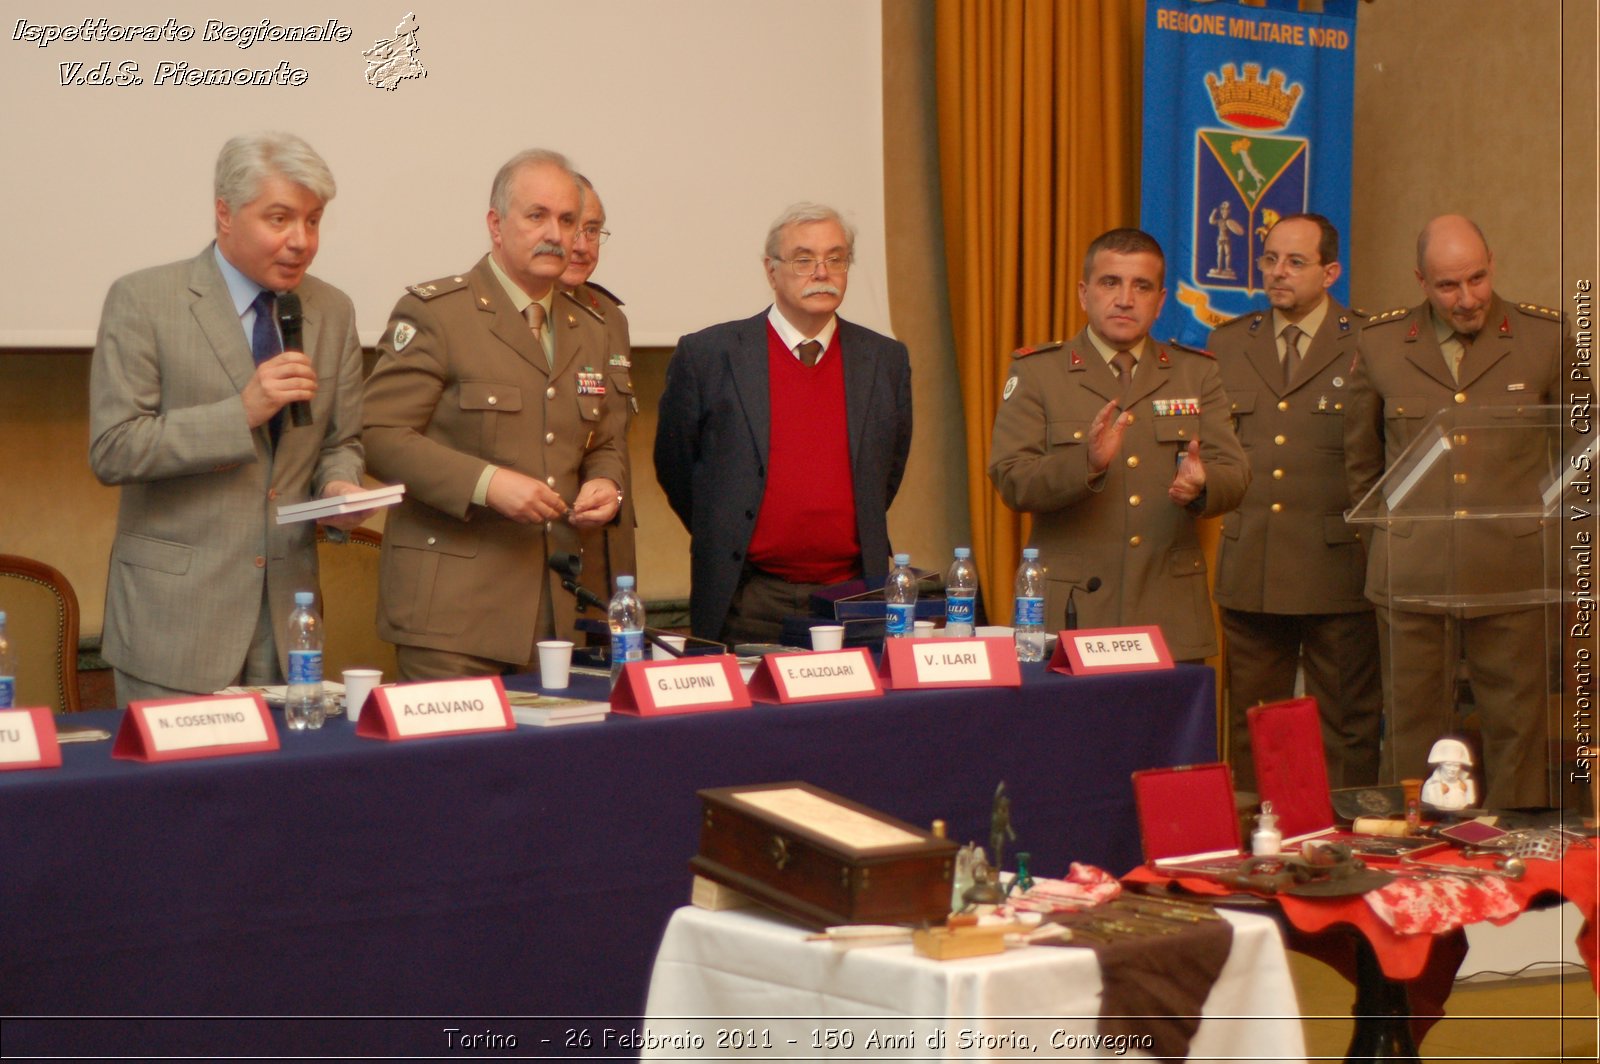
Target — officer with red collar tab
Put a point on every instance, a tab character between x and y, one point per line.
1463	347
1116	445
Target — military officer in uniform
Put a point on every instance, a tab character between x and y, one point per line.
608	552
1463	346
1291	571
488	403
1116	445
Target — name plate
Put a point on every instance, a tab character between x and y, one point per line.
931	663
1093	651
816	677
179	729
28	739
437	707
683	685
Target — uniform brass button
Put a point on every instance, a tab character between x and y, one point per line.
1283	404
1128	417
1338	406
492	400
549	437
1461	397
432	540
1279	439
550	481
594	412
1460	440
1078	435
1134	541
261	563
1461	478
550	392
1277	474
1400	410
1133	461
1134	500
1276	507
1461	513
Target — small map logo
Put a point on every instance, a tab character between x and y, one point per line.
389	62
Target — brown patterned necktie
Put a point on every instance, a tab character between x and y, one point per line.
810	351
535	316
1124	363
1291	352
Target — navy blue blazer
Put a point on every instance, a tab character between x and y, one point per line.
712	446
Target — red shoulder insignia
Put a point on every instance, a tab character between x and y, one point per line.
1192	349
1024	352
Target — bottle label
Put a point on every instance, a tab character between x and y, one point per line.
8	691
305	666
960	609
627	646
900	618
1029	613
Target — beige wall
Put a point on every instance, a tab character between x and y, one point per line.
1459	106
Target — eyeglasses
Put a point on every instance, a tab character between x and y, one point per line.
1294	263
805	265
594	234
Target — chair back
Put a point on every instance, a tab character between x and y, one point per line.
349	578
42	623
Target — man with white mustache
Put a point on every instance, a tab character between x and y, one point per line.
782	440
488	403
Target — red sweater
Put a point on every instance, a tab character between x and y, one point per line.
806	530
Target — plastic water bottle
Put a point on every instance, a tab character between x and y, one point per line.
303	706
961	595
8	668
900	595
626	617
1028	616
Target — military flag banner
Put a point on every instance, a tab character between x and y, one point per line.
1247	119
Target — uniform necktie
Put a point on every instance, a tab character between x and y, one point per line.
810	351
1291	352
1464	340
264	340
1124	363
535	316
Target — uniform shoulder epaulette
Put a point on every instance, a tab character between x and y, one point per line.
1357	313
1236	319
1534	310
607	293
587	300
433	289
1024	352
1193	350
1396	314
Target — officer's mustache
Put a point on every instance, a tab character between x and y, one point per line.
823	289
547	248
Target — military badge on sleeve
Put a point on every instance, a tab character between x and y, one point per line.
404	332
1011	386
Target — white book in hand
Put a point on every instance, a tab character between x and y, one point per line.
334	505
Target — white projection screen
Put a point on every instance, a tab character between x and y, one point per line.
697	120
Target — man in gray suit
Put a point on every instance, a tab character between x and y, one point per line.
782	440
188	391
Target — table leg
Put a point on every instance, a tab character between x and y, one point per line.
1382	1013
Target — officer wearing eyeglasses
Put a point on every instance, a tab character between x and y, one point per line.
1291	571
783	438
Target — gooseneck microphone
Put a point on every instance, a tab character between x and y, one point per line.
567	565
289	320
1090	587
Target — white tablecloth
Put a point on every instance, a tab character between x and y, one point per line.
746	985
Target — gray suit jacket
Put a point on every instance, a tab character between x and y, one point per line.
713	435
196	528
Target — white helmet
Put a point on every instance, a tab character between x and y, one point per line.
1450	750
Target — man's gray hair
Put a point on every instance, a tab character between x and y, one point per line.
802	214
500	191
250	158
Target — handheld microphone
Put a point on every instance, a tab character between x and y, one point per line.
289	320
567	566
1089	587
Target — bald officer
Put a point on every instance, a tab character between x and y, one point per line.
1463	348
1116	471
487	403
1291	571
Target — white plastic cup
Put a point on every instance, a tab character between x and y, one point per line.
358	684
677	642
827	637
555	663
923	629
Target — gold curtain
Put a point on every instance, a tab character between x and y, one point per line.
1037	141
